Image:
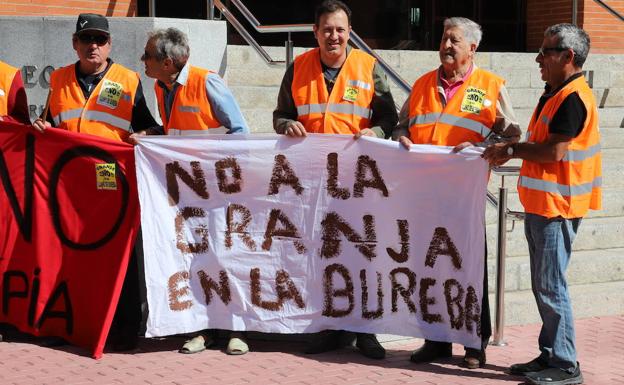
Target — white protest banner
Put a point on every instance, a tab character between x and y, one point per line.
284	235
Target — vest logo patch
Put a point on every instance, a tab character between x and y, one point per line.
350	94
110	93
105	176
473	101
2	92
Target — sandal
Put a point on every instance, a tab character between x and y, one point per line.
237	345
196	344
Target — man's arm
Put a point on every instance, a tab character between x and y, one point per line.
384	115
285	112
224	105
552	150
402	128
565	125
142	119
505	127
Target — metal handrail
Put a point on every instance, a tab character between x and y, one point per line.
355	39
501	248
245	35
610	9
500	204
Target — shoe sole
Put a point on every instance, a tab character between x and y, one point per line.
188	351
570	381
524	373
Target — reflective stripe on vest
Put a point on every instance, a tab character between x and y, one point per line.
96	116
64	116
359	84
452	120
211	131
579	155
107	112
350	109
344	110
111	119
467	116
190	109
569	187
561	189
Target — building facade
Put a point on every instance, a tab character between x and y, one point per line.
509	26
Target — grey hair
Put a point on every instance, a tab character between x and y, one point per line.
472	30
171	43
573	37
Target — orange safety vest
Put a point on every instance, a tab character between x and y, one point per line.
108	110
572	186
467	117
7	74
191	113
347	109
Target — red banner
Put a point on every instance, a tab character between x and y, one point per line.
69	215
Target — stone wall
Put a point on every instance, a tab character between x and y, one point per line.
38	45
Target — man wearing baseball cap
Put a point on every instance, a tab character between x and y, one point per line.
99	97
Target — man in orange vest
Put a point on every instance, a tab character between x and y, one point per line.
99	97
334	89
458	105
95	95
13	103
191	101
560	181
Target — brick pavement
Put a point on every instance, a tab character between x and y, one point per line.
600	343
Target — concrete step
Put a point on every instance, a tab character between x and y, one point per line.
256	97
594	234
260	120
587	266
254	77
519	69
612	137
528	97
592	300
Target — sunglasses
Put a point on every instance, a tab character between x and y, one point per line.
544	50
146	56
88	38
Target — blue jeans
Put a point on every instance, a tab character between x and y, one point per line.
550	245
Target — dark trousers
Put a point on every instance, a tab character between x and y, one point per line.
128	315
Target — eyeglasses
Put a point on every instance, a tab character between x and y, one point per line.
87	38
544	50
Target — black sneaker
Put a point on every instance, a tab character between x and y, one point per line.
369	346
536	365
555	376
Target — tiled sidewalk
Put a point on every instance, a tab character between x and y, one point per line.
600	343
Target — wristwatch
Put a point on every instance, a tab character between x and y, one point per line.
510	149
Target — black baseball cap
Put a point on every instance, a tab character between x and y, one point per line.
91	22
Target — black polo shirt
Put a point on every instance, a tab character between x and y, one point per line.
569	119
